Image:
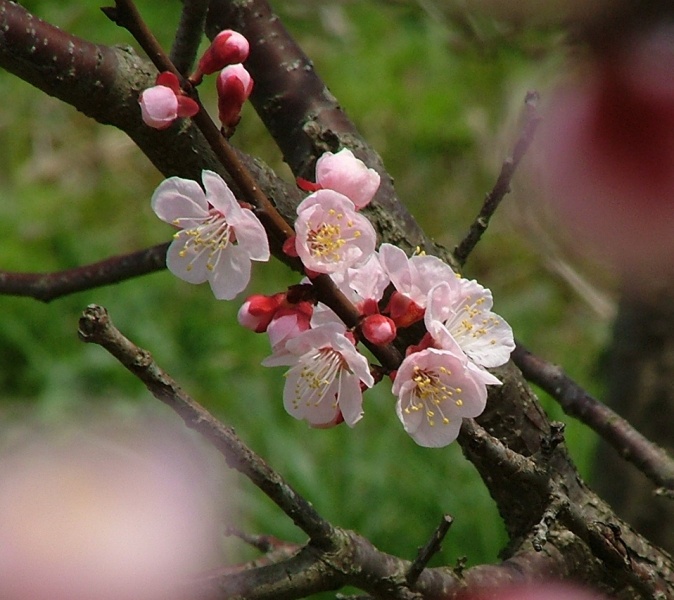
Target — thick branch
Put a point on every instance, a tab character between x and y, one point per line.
650	459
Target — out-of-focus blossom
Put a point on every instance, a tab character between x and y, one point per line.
162	104
227	48
234	86
331	235
608	149
217	240
462	308
435	390
108	516
325	377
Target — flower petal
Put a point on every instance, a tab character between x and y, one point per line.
178	198
231	273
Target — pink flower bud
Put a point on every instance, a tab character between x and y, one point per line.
258	310
378	329
163	103
234	86
228	48
159	107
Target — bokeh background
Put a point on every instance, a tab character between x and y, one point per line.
438	93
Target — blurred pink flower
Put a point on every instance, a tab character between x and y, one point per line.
608	156
121	515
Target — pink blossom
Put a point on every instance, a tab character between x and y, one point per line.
331	235
413	277
234	85
227	48
325	377
162	104
348	175
105	515
435	390
462	309
217	239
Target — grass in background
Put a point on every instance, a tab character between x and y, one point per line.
432	98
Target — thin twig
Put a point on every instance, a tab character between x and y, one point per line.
502	185
49	286
432	547
188	35
649	458
96	327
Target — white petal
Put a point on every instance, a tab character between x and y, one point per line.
231	274
350	399
251	235
219	194
190	267
178	198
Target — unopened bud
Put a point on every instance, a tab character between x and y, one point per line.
227	48
403	310
163	103
258	310
234	85
378	329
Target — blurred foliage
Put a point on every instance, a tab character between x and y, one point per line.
437	97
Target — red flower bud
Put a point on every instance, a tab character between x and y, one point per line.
228	48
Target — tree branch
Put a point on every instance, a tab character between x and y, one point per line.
304	118
49	286
188	36
650	459
502	185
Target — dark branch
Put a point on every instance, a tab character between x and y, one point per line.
189	34
652	460
432	547
502	185
49	286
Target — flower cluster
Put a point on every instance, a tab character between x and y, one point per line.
443	377
163	103
441	380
